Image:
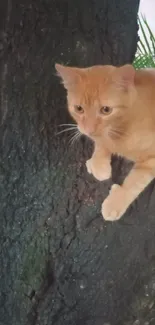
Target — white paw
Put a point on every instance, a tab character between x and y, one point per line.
115	205
99	173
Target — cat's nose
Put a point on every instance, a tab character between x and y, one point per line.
90	130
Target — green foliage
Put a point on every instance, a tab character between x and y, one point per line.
145	56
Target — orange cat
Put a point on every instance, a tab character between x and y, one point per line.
115	107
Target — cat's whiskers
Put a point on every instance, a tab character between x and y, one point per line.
116	133
70	128
67	124
75	132
75	137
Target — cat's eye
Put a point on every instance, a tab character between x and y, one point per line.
106	110
79	109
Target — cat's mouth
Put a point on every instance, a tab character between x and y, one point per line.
86	134
92	136
89	133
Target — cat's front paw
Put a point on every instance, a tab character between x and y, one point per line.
115	205
101	173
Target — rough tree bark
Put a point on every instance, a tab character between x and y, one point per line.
60	263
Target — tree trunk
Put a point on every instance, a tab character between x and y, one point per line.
61	264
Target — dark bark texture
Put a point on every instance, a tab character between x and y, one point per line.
60	262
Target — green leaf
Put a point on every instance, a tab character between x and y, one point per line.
145	54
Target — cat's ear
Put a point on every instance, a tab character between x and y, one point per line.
124	76
69	75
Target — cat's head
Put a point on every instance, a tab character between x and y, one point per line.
99	98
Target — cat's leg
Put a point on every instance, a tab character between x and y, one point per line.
100	164
120	197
